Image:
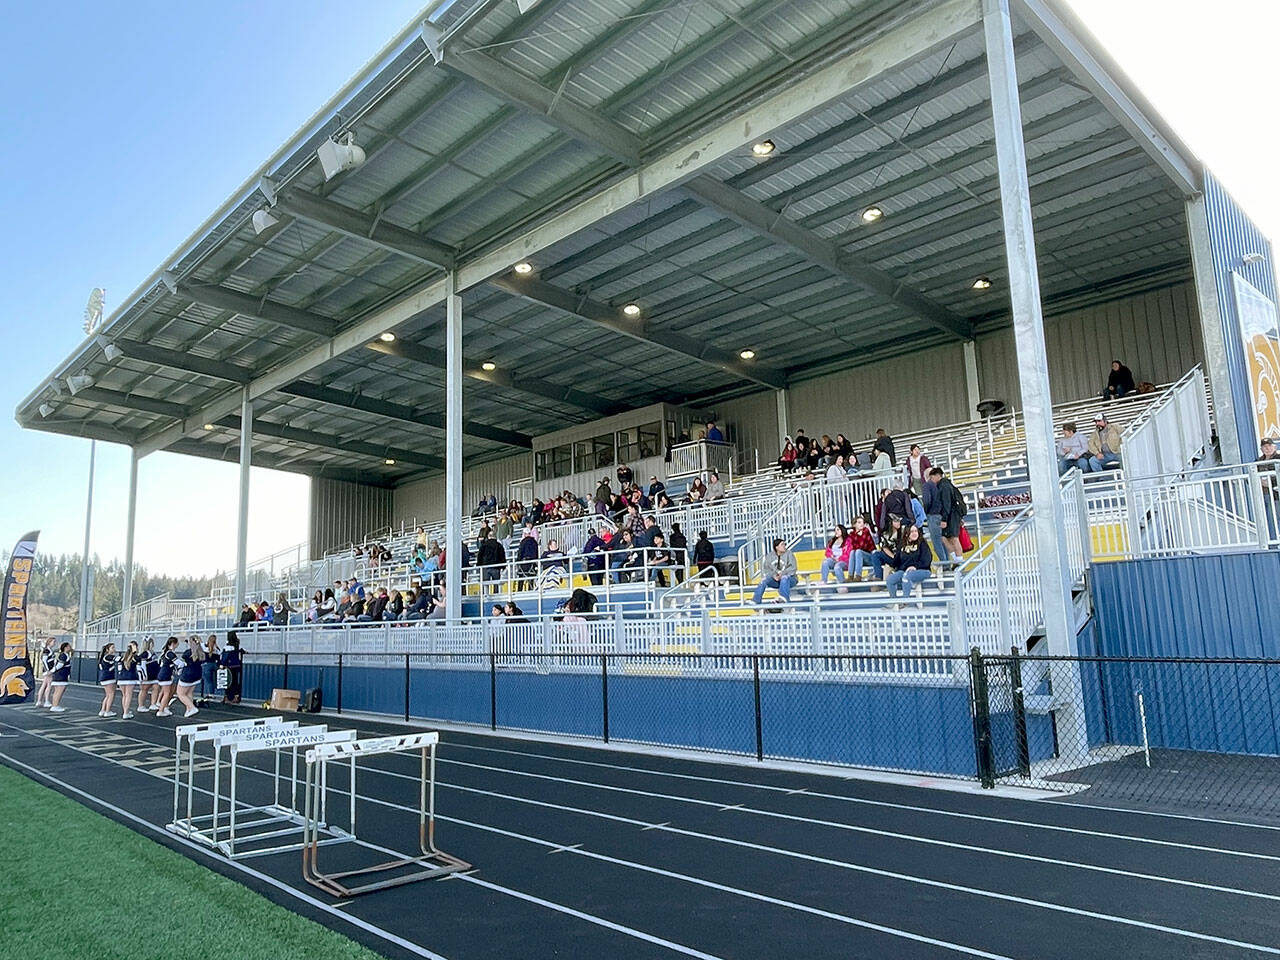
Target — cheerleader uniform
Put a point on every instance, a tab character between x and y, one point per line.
191	669
126	676
61	669
107	669
164	667
48	657
148	666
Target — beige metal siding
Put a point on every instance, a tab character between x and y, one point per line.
343	512
423	500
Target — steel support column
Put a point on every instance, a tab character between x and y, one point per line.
126	592
784	421
86	602
242	521
1028	325
453	450
973	391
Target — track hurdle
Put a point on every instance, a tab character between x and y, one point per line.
189	735
435	862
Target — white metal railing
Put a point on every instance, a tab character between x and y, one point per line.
700	457
1171	433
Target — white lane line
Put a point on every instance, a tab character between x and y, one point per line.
859	868
914	808
1216	821
249	871
334	909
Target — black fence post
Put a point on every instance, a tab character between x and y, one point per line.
493	692
981	719
406	687
755	673
79	668
339	683
284	683
604	694
1019	714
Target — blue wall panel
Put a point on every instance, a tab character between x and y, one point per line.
1232	235
1211	607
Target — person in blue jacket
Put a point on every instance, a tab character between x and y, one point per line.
192	661
107	678
61	676
167	676
233	661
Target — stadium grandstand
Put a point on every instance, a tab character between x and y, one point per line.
543	296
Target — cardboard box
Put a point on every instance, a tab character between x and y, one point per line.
286	700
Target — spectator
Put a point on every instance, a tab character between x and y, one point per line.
264	613
713	432
844	448
836	561
910	564
932	503
656	487
501	528
890	543
882	465
953	506
915	469
1073	450
280	613
551	565
779	574
704	555
377	606
625	476
813	456
1104	444
395	609
861	547
420	608
836	472
659	560
884	442
1269	477
633	521
234	663
715	489
1119	381
893	503
248	616
802	446
621	550
787	460
313	610
328	611
491	557
513	612
663	502
496	611
604	496
526	559
594	550
679	544
697	491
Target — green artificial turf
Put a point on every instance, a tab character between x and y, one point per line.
78	886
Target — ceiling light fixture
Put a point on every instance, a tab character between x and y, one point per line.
387	337
632	309
336	157
112	352
79	382
872	214
763	148
524	267
389	462
208	426
488	366
263	220
46	409
747	354
982	283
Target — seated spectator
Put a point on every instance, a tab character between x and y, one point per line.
281	611
836	473
910	564
526	557
845	449
802	446
265	613
1073	451
890	542
313	610
704	555
551	565
715	488
1119	381
355	610
884	443
420	607
248	615
625	475
861	547
787	460
395	608
915	469
594	550
492	559
836	561
502	526
812	457
663	502
656	487
1104	444
621	554
496	611
713	432
780	573
513	612
328	610
377	606
659	560
882	465
697	492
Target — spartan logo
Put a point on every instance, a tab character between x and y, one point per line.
13	682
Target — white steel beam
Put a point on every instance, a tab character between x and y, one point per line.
353	223
242	514
131	528
453	454
902	45
1042	17
257	308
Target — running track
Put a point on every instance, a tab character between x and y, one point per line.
583	852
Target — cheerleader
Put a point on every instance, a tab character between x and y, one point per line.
192	660
107	678
61	676
148	670
127	678
209	669
166	676
48	656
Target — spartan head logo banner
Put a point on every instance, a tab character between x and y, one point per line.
15	669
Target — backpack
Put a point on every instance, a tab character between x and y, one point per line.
959	507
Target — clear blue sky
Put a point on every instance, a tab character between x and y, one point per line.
126	123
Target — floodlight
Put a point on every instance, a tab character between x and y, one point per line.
336	157
872	214
78	382
389	462
524	267
982	283
387	337
763	148
632	309
747	354
264	219
112	352
488	366
46	409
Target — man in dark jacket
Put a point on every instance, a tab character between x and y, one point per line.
932	502
620	550
679	551
594	550
704	555
526	557
491	556
894	503
953	507
884	442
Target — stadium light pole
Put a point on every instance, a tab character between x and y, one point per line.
453	451
85	601
126	590
242	520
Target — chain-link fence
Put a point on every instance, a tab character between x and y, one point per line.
1185	735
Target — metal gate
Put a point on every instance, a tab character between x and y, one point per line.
999	717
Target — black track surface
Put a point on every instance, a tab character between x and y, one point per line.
583	852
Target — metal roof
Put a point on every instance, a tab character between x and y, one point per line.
532	119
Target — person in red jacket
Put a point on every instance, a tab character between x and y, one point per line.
836	562
861	546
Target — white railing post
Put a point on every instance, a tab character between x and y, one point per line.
1261	526
706	630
